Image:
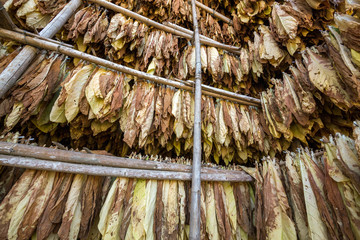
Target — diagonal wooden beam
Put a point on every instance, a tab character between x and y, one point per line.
21	62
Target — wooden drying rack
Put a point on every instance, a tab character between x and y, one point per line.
25	156
42	158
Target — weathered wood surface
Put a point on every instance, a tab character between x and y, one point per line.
50	154
196	163
214	13
39	164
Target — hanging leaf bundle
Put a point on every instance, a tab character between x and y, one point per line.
34	14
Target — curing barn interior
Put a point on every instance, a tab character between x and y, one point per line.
174	119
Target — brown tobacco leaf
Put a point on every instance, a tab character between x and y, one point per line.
31	78
296	195
90	198
8	177
172	211
132	130
292	101
158	211
53	78
280	95
341	56
223	224
46	225
317	181
306	99
118	95
243	209
349	27
160	45
83	24
36	206
167	46
151	45
10	202
301	11
257	130
318	4
203	234
324	78
335	199
348	158
70	220
73	33
145	117
285	24
115	213
106	83
276	218
125	222
51	7
159	105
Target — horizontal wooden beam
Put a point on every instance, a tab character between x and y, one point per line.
46	165
214	13
50	154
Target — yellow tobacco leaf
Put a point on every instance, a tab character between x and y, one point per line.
138	211
284	22
211	222
231	205
150	195
106	208
115	213
13	118
74	89
317	229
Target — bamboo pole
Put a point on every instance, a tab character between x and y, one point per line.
196	163
214	13
105	63
21	62
46	165
160	26
42	153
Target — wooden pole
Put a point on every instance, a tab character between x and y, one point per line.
105	63
160	26
6	21
214	13
185	30
196	163
40	37
38	164
21	62
28	151
220	93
